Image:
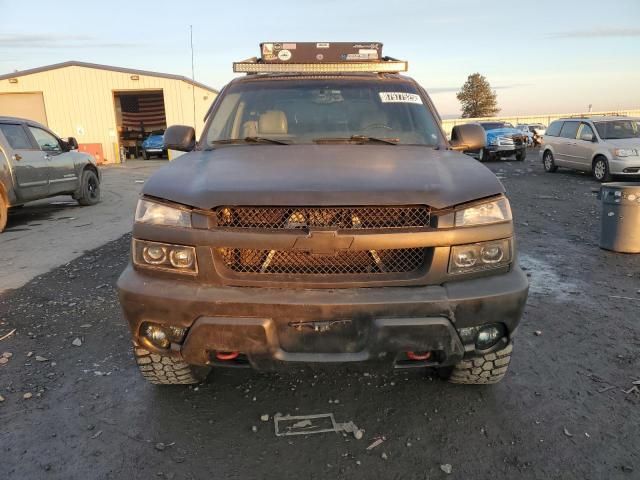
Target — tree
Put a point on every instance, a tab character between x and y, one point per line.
477	98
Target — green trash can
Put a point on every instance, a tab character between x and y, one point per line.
620	217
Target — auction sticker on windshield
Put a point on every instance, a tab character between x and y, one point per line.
400	97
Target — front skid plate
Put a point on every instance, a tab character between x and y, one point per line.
267	342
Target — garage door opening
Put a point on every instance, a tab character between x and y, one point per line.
23	105
141	121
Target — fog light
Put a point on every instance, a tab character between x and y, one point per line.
156	335
489	335
181	258
177	334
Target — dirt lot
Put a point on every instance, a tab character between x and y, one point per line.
566	410
62	226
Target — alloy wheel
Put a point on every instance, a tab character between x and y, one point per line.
599	170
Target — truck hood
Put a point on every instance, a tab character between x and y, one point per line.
154	141
505	132
322	175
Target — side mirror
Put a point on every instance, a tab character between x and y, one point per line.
587	137
470	136
180	137
71	143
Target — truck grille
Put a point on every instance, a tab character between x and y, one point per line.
279	262
340	218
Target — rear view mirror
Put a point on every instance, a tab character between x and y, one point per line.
180	137
71	143
467	137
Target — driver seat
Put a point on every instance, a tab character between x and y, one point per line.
269	123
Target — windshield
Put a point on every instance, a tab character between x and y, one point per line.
618	129
323	111
494	125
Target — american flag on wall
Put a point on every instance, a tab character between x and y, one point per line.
143	111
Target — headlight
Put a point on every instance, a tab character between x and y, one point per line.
161	214
485	213
480	256
164	256
492	141
626	152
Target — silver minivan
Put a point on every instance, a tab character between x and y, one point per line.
603	145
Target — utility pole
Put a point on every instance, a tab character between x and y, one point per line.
193	77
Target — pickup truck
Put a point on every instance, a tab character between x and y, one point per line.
502	140
153	145
323	219
35	164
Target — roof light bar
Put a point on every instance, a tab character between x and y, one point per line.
320	57
389	66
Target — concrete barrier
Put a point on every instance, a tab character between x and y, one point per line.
545	118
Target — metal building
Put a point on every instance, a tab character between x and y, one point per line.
109	110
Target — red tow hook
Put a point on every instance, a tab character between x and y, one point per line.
227	355
418	356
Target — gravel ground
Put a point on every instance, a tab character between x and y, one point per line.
60	225
567	408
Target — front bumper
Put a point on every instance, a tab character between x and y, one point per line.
276	326
504	149
629	166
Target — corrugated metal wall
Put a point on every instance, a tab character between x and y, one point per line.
79	101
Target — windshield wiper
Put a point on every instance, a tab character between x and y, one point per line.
231	141
358	138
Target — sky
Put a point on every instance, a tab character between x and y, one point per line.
540	56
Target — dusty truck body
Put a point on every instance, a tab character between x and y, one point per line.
37	164
323	218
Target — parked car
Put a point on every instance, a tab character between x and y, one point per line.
533	131
323	219
528	135
35	164
153	145
501	140
603	145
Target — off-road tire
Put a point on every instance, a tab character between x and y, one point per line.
521	154
548	163
600	169
485	369
4	213
485	156
162	370
89	188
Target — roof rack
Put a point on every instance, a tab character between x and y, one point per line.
320	57
604	114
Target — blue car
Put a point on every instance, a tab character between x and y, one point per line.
502	140
153	145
